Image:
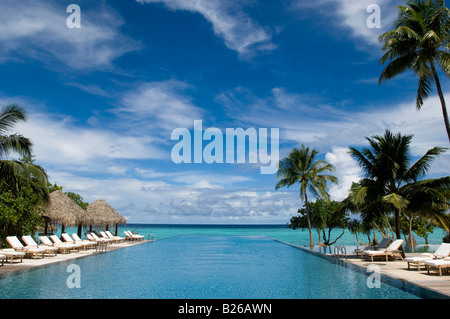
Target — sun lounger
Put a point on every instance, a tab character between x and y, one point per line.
116	238
439	264
29	241
104	236
107	240
18	246
12	254
392	251
130	236
88	243
63	248
2	258
69	240
57	242
382	244
95	238
440	253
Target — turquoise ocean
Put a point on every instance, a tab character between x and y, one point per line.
278	232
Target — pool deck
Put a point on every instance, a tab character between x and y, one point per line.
398	269
29	263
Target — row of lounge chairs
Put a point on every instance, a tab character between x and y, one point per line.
52	245
439	260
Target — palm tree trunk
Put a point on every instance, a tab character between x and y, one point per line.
375	239
311	241
441	97
398	231
318	236
357	239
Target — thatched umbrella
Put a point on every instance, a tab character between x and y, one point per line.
65	211
102	214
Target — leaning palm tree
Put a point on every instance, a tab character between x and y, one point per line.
420	41
393	183
303	167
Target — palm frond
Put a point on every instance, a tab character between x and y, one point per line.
15	143
10	115
398	201
425	84
422	165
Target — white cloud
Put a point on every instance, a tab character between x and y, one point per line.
303	119
69	146
191	177
352	15
160	201
40	32
238	30
159	106
347	171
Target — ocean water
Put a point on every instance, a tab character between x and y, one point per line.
280	232
283	233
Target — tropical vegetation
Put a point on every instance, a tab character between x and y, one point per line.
393	182
24	186
420	42
303	167
325	216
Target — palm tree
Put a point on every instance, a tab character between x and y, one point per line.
12	171
392	183
419	41
303	167
9	116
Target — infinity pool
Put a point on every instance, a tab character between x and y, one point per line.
199	267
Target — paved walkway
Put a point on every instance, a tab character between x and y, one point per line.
39	262
398	269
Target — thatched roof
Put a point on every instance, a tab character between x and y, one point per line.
64	210
101	213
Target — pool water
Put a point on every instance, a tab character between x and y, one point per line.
199	267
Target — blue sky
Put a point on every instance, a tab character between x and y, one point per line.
104	99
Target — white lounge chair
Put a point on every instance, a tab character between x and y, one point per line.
392	251
2	258
96	239
104	236
12	254
130	236
439	264
63	248
113	237
440	253
50	250
382	244
18	246
69	240
57	242
88	243
107	240
101	238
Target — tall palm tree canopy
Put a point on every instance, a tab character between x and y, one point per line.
419	41
303	167
393	181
